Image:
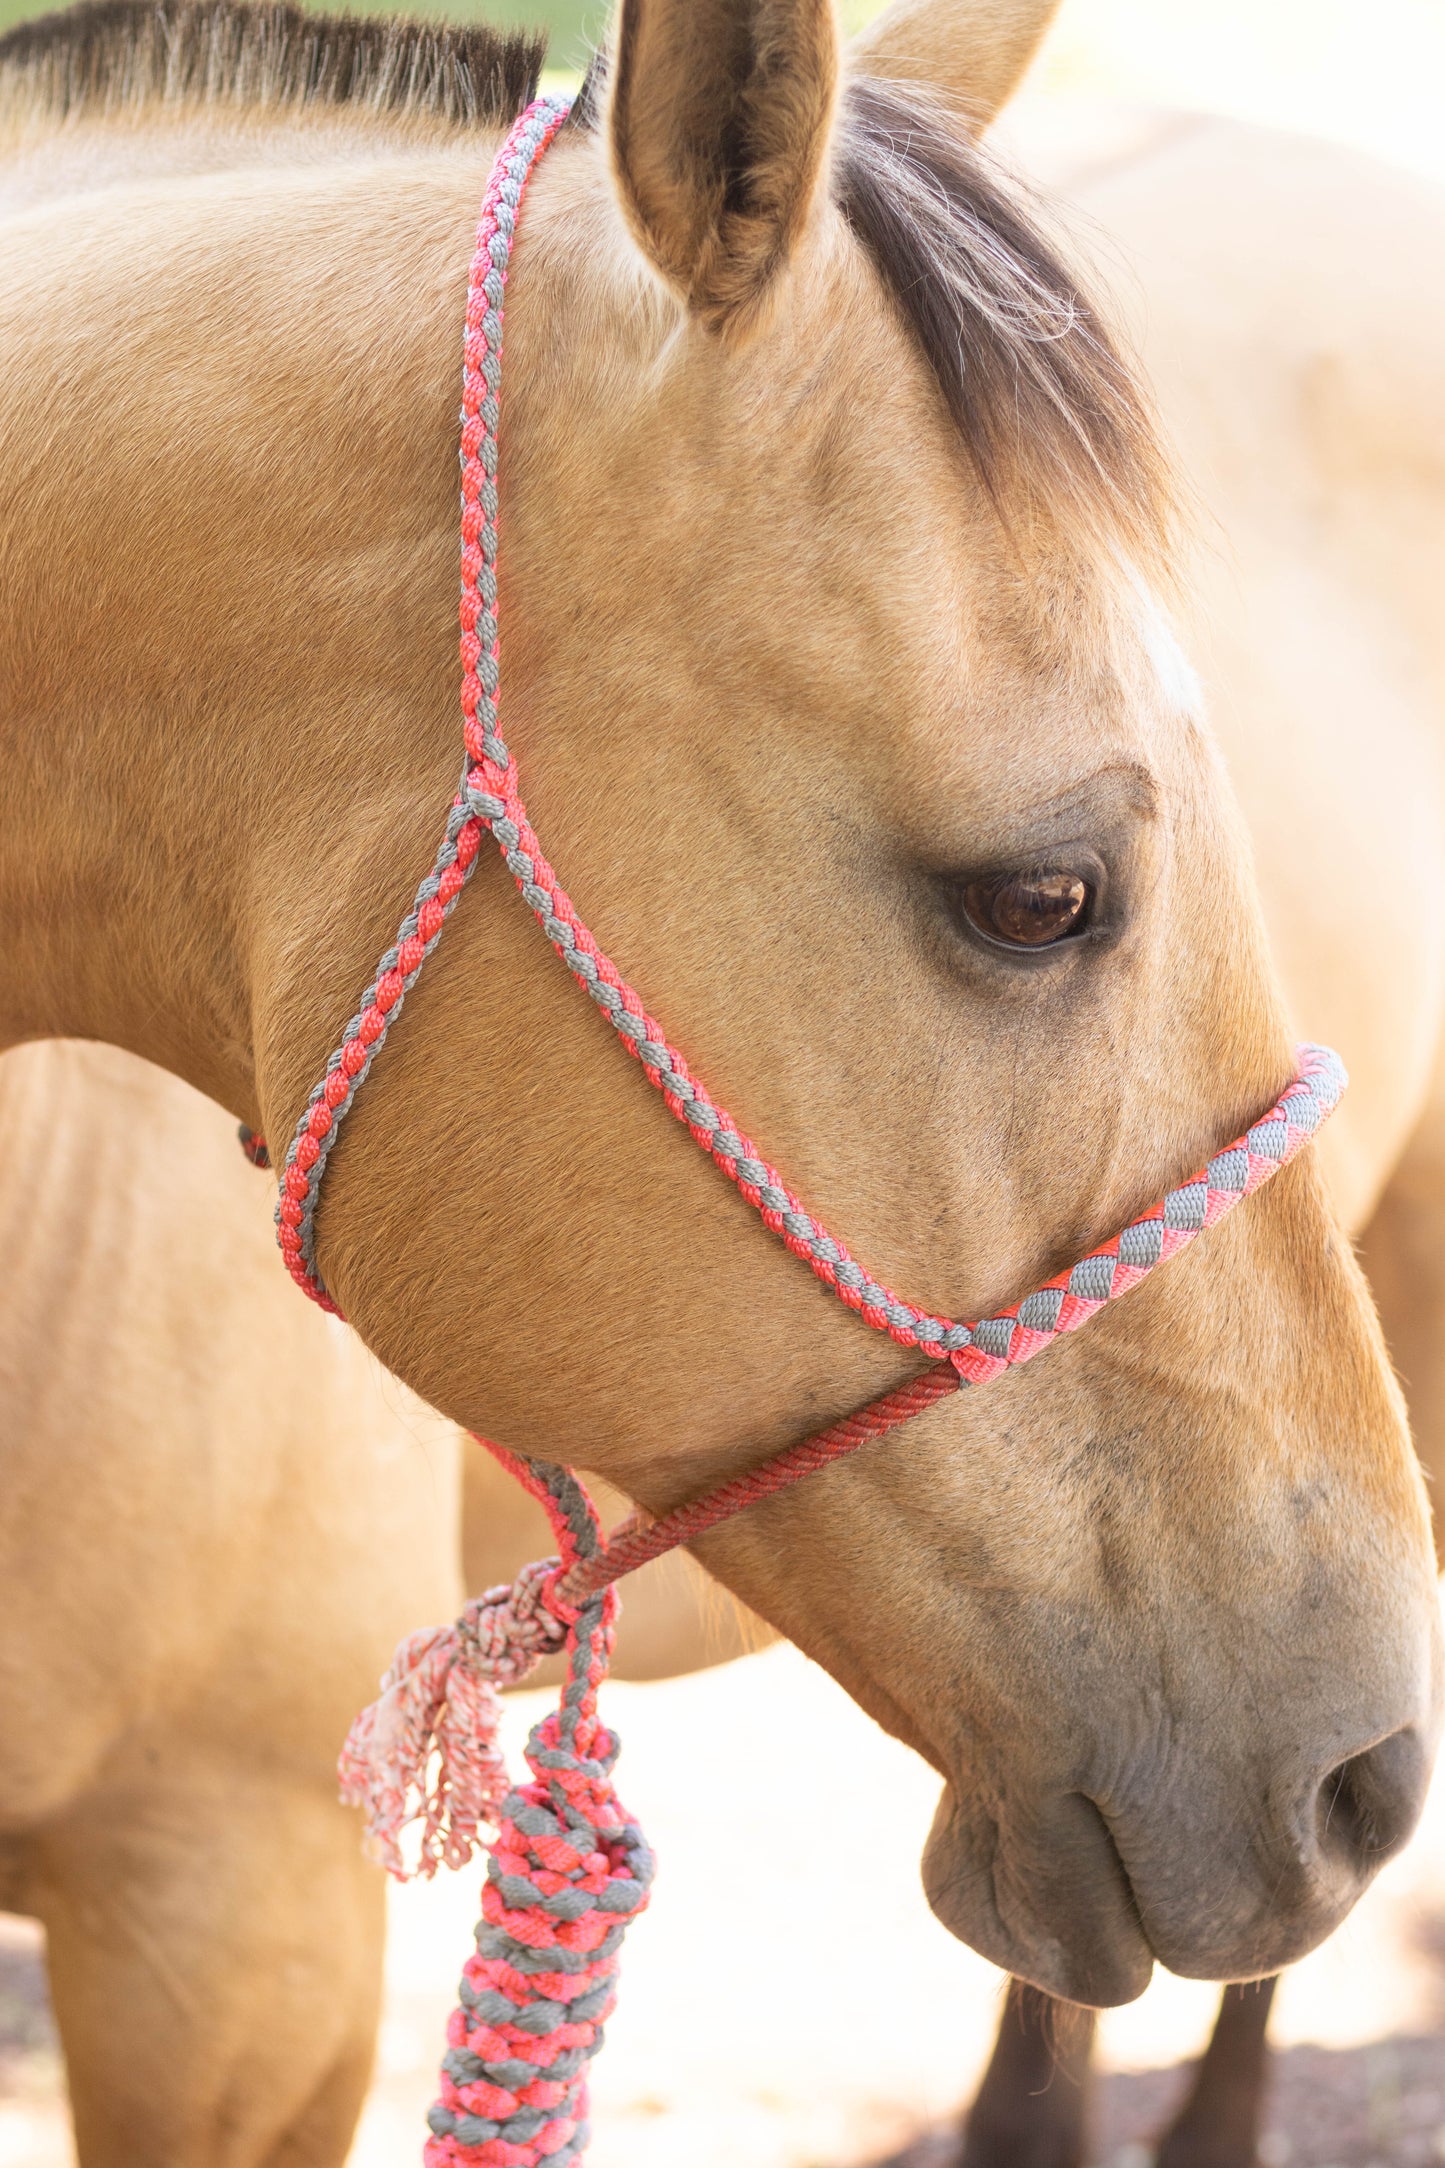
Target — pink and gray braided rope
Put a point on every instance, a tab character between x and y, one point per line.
568	1868
567	1872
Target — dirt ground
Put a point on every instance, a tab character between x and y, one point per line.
790	2003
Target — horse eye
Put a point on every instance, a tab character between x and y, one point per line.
1029	910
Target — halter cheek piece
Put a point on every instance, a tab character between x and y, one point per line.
568	1868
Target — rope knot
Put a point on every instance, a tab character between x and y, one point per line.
505	1633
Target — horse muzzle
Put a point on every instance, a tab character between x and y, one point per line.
1082	1897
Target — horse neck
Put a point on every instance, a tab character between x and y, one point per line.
117	878
227	497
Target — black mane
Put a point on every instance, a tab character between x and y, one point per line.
267	52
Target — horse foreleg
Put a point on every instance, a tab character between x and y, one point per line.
215	1949
1031	2109
1218	2124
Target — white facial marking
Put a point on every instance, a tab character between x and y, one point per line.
1175	674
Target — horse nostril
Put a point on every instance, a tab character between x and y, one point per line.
1367	1806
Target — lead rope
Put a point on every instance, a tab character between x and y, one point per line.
567	1867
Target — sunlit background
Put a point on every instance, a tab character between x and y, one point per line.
1371	72
789	2003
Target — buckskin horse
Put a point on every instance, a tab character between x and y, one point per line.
836	532
215	1522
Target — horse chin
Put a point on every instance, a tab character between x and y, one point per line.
1052	1906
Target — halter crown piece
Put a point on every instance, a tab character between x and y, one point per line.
568	1868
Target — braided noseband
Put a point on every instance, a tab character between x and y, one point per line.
567	1867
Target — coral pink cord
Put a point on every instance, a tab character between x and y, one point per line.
638	1541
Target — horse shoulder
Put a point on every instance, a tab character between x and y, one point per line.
1288	303
214	1520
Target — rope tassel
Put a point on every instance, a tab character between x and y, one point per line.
426	1749
567	1869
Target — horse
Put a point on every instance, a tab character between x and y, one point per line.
217	1518
214	1526
914	819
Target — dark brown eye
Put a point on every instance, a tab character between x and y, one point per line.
1029	910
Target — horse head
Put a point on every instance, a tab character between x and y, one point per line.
837	654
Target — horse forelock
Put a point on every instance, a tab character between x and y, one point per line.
1056	424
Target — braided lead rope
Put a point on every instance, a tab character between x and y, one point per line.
567	1872
568	1867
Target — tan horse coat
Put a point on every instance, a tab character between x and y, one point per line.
1285	1245
219	1516
216	1522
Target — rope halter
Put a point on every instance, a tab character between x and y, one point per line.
567	1867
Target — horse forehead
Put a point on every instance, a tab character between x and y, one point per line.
1084	634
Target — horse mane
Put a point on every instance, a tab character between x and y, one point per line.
110	54
1052	418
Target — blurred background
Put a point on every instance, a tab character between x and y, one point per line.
1371	72
789	2002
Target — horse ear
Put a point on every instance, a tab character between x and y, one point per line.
970	52
719	117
